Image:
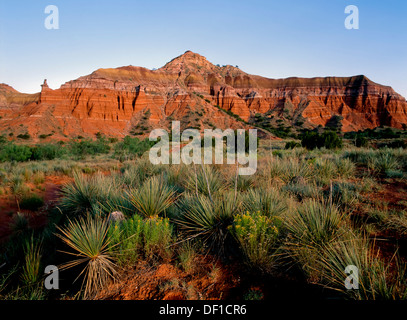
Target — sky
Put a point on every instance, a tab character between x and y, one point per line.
275	39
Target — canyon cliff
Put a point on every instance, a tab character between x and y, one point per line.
135	100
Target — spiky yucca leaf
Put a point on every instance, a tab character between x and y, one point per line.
30	273
153	198
201	217
204	180
269	202
92	246
376	279
314	224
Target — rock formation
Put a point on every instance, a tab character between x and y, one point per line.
134	100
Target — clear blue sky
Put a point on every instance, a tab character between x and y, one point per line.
276	39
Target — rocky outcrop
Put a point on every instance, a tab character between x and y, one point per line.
189	88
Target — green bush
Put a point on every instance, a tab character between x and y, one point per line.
131	147
24	136
33	202
83	148
329	140
393	144
138	238
47	152
292	145
14	152
127	235
257	236
361	141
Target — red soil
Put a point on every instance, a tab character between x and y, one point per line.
168	282
38	219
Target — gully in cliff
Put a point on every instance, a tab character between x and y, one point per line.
213	141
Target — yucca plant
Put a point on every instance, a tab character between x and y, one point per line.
187	255
19	223
201	217
118	202
153	198
382	162
85	194
205	181
310	228
303	190
244	183
344	194
325	170
315	224
346	168
269	202
31	268
377	280
289	169
92	247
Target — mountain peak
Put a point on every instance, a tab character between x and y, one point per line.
188	62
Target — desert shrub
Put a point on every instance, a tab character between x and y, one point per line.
360	156
175	176
257	235
91	244
290	169
292	145
86	194
344	194
244	183
129	148
310	228
187	255
3	139
47	152
32	202
314	224
31	267
24	136
386	220
396	223
14	152
44	136
329	140
200	217
138	238
157	238
127	235
346	168
153	198
361	141
269	202
382	162
19	223
38	177
325	170
205	181
376	279
303	190
395	144
117	201
83	148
